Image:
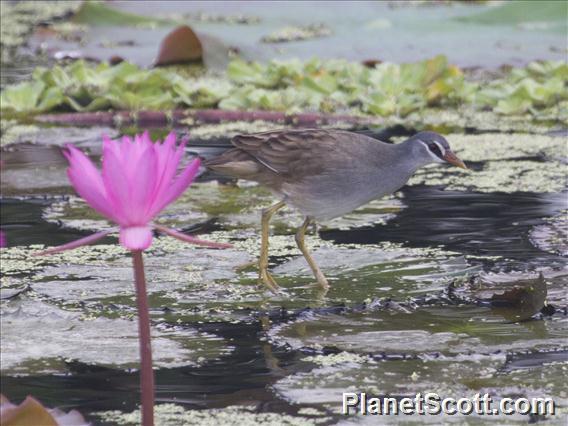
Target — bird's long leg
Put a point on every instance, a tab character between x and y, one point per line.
300	241
264	275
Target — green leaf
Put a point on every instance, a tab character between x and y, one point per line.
511	106
51	98
97	104
238	99
22	97
380	104
98	13
203	93
242	72
517	11
324	84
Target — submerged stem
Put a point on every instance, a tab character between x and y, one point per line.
146	372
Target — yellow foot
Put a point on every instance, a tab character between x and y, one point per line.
265	278
322	282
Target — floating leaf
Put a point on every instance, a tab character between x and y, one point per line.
516	12
22	97
98	13
526	295
294	86
512	106
516	297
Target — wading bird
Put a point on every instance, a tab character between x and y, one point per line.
325	174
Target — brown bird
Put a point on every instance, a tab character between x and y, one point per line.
325	174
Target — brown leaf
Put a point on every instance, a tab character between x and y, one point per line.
528	296
32	413
29	413
180	45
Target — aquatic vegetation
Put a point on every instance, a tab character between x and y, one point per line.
389	325
19	19
70	334
509	163
384	90
173	415
553	235
306	32
12	132
550	13
98	13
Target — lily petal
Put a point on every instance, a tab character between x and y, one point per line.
74	244
189	239
179	185
143	185
87	181
117	185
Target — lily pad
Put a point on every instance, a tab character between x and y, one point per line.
324	385
438	330
517	12
39	338
98	13
552	236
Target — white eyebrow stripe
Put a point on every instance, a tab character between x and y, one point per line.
442	149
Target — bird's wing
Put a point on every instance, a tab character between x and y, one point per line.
288	152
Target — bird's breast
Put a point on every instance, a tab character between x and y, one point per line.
329	196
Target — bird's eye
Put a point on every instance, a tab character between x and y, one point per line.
435	149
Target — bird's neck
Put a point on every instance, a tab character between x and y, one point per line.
411	157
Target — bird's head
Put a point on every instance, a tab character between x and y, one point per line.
431	147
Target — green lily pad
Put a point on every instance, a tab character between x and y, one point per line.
98	13
518	11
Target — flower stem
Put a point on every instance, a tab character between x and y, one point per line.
146	372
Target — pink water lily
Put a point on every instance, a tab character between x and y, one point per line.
138	180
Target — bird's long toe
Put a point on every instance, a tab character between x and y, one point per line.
267	280
322	281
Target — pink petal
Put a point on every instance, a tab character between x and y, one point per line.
179	185
74	244
87	181
189	239
136	237
168	160
143	187
117	186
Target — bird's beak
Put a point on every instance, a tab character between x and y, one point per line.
451	158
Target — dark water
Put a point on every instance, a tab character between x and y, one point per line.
481	224
469	223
